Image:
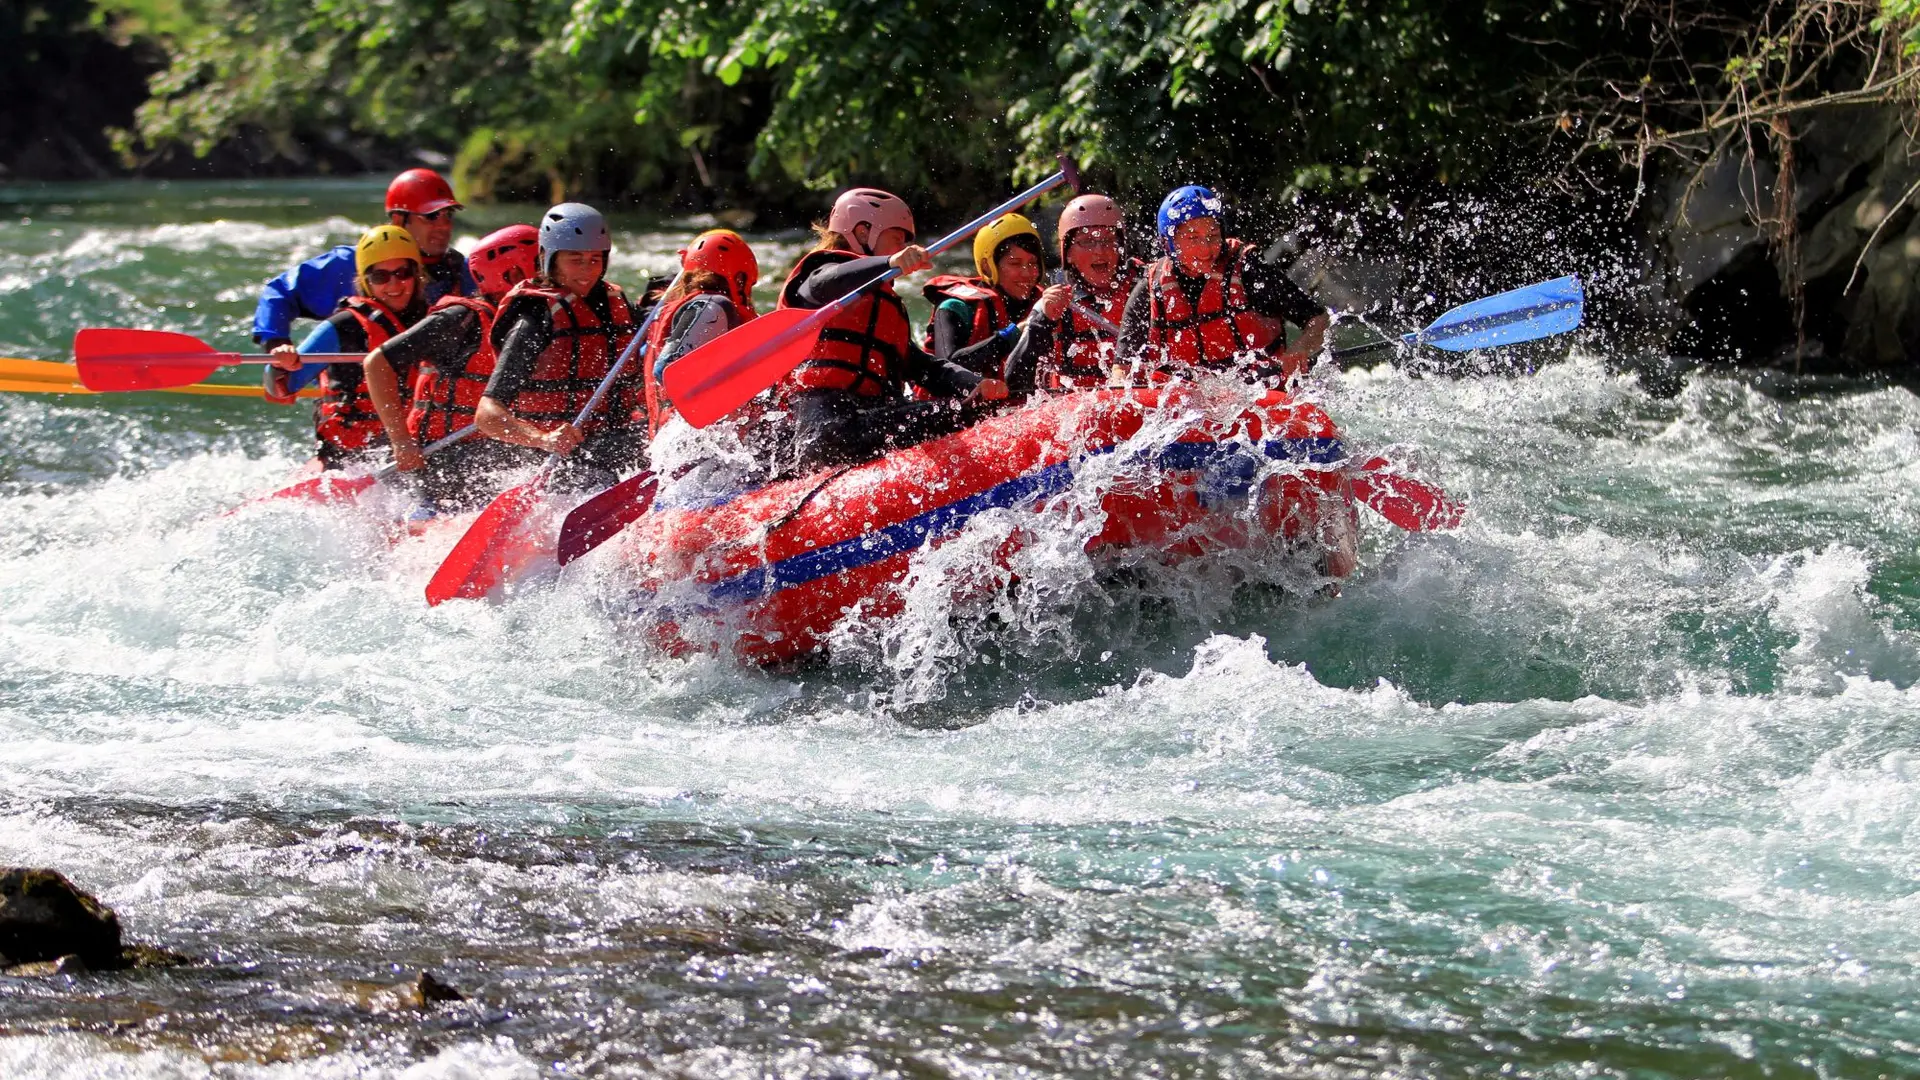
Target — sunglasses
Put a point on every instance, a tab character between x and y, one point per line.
377	276
444	212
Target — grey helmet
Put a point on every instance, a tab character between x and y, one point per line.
572	226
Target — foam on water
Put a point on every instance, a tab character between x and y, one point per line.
1620	776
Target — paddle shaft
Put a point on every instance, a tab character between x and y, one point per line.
1099	321
220	359
392	468
606	384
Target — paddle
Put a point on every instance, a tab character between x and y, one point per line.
1411	504
329	488
1528	313
722	375
1100	322
109	358
47	377
479	561
594	521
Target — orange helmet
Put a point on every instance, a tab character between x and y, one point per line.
1087	212
420	191
876	209
723	252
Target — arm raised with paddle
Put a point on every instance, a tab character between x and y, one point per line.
719	377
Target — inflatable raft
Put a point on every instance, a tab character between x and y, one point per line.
768	572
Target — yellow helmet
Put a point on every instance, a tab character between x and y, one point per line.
381	243
999	231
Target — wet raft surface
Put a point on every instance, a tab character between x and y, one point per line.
1619	779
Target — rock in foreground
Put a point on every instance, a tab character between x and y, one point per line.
49	925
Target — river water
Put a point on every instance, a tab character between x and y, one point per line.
1621	779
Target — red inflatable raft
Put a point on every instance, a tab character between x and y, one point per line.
776	567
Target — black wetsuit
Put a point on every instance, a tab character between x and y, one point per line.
459	476
840	426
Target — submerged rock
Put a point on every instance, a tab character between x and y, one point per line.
50	926
420	994
69	964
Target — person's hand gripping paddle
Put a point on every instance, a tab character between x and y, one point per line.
493	549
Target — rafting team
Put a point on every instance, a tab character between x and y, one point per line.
515	338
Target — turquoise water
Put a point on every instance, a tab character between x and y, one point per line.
1621	779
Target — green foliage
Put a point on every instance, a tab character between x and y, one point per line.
710	100
1902	16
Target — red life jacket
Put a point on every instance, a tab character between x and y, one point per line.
444	401
988	304
862	348
572	366
1210	332
344	415
1082	352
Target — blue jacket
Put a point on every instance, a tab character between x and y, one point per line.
314	289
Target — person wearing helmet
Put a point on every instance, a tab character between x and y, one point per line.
1211	301
844	402
419	201
451	356
1101	277
714	295
557	336
977	321
387	299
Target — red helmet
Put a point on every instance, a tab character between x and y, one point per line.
504	257
871	207
1087	212
420	191
723	252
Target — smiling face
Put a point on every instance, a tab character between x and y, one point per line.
1196	245
1094	254
578	271
1019	271
393	282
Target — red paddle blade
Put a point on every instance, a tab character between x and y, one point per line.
494	549
726	373
604	515
324	489
1408	503
114	359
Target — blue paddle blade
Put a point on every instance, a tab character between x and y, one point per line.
1525	314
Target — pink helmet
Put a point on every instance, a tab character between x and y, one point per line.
504	257
1086	212
871	207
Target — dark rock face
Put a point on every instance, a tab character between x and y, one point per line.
1854	183
43	917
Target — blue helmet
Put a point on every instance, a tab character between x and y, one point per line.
1185	204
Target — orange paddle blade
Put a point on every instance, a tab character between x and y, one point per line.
495	548
726	373
110	358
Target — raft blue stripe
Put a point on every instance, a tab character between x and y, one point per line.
906	535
